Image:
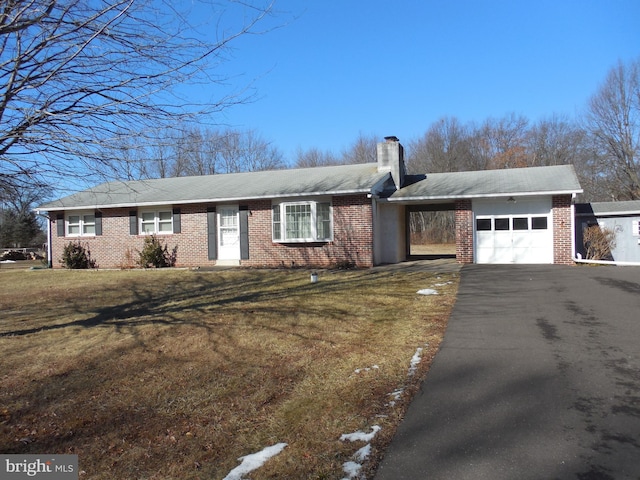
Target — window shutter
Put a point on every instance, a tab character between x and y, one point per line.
177	227
244	233
133	222
323	221
212	240
276	224
60	224
98	217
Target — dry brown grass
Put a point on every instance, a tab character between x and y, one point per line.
433	249
175	374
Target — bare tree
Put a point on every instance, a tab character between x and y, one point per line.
243	151
159	160
443	148
500	143
613	119
559	141
198	151
555	141
80	77
315	157
362	150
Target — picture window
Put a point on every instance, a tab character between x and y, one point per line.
302	222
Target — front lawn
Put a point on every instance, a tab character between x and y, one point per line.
175	374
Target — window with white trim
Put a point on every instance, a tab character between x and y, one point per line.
307	221
155	222
82	224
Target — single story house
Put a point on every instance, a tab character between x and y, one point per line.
348	214
622	218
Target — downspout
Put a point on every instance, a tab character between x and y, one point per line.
573	225
374	227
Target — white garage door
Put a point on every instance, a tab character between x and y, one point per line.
513	232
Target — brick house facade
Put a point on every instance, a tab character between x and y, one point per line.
326	216
351	244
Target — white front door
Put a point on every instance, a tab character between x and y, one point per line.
228	233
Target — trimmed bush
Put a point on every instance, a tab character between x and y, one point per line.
155	255
76	256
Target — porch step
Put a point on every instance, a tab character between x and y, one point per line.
228	263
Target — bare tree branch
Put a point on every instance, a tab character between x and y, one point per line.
78	78
613	119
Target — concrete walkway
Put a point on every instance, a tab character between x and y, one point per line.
538	377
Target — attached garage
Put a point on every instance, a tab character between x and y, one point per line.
513	231
520	215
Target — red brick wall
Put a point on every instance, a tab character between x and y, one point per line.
352	242
352	238
464	231
562	230
116	248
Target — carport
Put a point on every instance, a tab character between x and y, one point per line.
521	216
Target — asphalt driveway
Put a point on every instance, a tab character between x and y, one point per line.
538	377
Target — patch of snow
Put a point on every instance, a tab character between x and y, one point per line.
254	461
415	360
352	469
396	396
366	369
442	284
362	454
427	291
8	261
360	436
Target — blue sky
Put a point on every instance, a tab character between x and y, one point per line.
343	68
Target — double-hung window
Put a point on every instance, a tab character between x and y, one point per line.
156	222
81	224
307	221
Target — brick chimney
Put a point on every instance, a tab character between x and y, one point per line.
391	159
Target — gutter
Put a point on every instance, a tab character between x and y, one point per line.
462	196
52	208
578	259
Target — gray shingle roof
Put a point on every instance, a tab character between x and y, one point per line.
335	180
342	179
486	183
629	207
